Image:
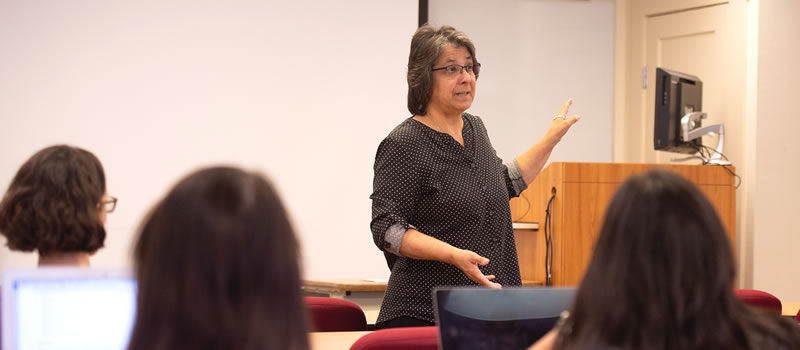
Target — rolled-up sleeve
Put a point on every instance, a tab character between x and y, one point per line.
514	181
395	190
394	237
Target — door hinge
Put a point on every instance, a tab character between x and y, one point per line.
644	77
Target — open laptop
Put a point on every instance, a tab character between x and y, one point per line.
508	318
67	308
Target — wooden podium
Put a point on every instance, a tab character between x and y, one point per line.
582	193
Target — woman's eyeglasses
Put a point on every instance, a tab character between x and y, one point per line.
455	69
110	204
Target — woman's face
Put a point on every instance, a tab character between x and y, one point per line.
453	93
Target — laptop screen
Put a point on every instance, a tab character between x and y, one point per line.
509	318
67	309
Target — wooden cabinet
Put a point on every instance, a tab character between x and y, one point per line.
582	193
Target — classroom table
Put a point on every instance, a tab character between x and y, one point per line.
790	309
334	340
367	293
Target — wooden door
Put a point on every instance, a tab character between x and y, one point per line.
706	41
705	38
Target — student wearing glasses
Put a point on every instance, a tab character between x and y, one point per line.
56	205
440	201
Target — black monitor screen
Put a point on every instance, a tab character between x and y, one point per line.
508	318
677	94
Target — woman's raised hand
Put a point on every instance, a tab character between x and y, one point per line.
561	123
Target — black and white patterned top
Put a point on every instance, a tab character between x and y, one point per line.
426	180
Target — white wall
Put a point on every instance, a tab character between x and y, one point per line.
301	90
535	54
305	90
776	239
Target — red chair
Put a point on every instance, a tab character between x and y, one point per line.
411	338
335	315
760	299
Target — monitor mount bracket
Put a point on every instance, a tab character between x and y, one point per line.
690	132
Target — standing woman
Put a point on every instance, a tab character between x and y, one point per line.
440	196
56	205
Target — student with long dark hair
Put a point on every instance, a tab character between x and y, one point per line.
662	276
218	268
56	205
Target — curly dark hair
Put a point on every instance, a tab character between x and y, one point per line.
426	46
52	204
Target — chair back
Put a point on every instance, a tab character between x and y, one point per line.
760	299
410	338
335	315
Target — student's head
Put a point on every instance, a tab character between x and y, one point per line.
662	272
217	264
55	203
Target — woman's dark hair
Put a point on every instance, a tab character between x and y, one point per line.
217	264
662	277
53	203
426	46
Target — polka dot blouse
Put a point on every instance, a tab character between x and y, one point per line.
426	180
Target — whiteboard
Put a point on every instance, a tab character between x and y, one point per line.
301	90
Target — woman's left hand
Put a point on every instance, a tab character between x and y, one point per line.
532	161
561	124
546	342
